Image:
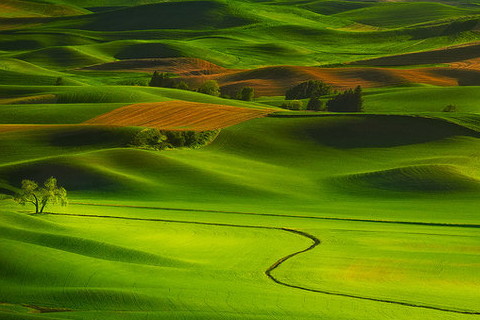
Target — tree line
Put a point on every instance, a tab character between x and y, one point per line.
315	91
350	100
156	139
210	87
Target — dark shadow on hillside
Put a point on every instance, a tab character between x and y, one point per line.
418	180
91	136
166	15
70	176
377	131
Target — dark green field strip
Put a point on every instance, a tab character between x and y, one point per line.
431	224
279	262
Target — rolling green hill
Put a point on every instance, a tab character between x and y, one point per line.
241	33
293	215
218	218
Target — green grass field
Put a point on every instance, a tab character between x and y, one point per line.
295	215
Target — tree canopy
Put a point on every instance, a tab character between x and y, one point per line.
315	104
247	94
163	79
40	197
347	101
308	89
210	87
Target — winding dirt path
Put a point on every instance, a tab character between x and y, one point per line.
269	272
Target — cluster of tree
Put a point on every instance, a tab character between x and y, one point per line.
245	94
167	80
40	197
155	139
308	89
314	104
210	87
347	101
312	90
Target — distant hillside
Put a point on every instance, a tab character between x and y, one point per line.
234	34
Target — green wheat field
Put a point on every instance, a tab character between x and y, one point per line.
269	213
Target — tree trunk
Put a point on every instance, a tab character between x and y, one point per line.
44	203
36	203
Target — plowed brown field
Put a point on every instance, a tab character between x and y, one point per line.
29	127
178	115
274	81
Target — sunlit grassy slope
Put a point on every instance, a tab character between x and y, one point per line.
328	176
271	162
292	216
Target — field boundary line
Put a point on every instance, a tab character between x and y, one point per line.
315	242
434	224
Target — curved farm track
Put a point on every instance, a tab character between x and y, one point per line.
269	272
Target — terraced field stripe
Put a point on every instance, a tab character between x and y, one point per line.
279	262
430	224
179	115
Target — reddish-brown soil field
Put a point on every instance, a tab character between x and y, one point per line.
29	127
178	115
461	67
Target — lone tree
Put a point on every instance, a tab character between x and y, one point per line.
210	87
40	197
347	101
308	89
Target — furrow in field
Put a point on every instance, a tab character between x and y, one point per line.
269	271
420	223
178	115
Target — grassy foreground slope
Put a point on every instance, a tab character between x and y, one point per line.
327	176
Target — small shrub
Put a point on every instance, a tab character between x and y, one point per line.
293	105
450	108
